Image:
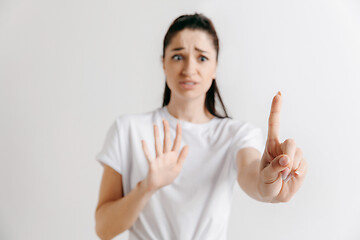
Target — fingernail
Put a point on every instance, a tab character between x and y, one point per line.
288	178
285	173
284	176
283	161
297	172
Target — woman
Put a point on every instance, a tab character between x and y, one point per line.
168	193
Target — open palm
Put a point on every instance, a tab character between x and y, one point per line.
166	166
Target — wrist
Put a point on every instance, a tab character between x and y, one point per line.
144	187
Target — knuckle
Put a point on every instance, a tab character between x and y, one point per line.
273	124
275	164
290	141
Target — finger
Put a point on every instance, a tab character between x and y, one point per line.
183	154
273	171
274	118
146	151
157	141
273	148
288	147
302	169
299	174
177	141
167	136
295	164
297	159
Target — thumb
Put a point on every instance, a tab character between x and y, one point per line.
278	165
182	155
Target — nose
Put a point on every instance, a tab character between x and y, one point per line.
189	67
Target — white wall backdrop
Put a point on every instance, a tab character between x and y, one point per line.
69	68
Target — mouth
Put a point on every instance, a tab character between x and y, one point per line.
188	84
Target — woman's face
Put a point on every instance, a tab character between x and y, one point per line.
190	56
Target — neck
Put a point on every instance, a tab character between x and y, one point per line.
193	111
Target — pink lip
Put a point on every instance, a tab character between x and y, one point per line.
188	81
185	86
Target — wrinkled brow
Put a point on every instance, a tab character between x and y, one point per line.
181	48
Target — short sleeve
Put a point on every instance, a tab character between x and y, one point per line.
110	152
247	136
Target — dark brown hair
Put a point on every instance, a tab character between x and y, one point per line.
195	22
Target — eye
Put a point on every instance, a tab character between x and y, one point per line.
176	57
203	58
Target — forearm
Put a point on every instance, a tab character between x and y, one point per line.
249	181
117	216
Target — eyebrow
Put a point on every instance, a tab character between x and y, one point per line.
181	48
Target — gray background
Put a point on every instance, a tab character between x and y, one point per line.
69	68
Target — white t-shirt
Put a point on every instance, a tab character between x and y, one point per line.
197	204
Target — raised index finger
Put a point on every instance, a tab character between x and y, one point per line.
274	119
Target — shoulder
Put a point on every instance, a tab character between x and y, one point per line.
134	119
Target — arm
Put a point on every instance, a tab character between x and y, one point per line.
282	168
115	213
248	165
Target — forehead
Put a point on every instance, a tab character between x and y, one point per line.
189	38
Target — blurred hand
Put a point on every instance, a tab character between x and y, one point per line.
167	164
